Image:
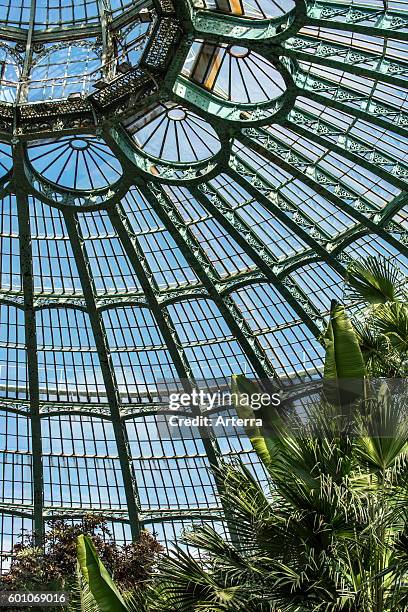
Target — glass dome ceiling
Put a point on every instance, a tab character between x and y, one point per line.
182	188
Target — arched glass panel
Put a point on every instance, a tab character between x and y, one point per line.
62	70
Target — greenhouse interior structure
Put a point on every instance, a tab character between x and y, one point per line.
183	185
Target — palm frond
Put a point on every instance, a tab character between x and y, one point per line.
81	599
383	433
391	320
374	280
187	585
329	535
373	346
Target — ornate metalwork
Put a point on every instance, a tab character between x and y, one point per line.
357	18
358	103
355	149
235	29
209	278
371	65
232	112
343	197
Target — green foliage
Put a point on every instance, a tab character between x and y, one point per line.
54	567
344	368
326	536
55	563
382	327
391	321
343	354
332	532
375	280
81	599
104	591
375	349
262	438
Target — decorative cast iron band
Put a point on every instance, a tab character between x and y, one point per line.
168	172
236	114
357	18
233	29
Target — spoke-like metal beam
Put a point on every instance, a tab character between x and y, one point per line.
357	18
26	263
240	173
275	149
283	209
286	212
108	49
22	88
320	181
204	269
243	234
147	281
108	375
139	262
141	267
393	207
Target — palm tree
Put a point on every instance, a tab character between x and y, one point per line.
330	534
382	323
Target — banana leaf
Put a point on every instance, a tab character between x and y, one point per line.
263	437
101	585
344	368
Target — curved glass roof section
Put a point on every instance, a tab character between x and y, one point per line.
182	187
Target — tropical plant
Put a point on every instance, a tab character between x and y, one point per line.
104	591
375	280
97	590
330	534
54	565
381	324
344	368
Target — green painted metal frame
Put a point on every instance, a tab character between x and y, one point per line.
248	241
352	148
335	55
351	101
109	379
32	366
357	18
320	180
194	254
